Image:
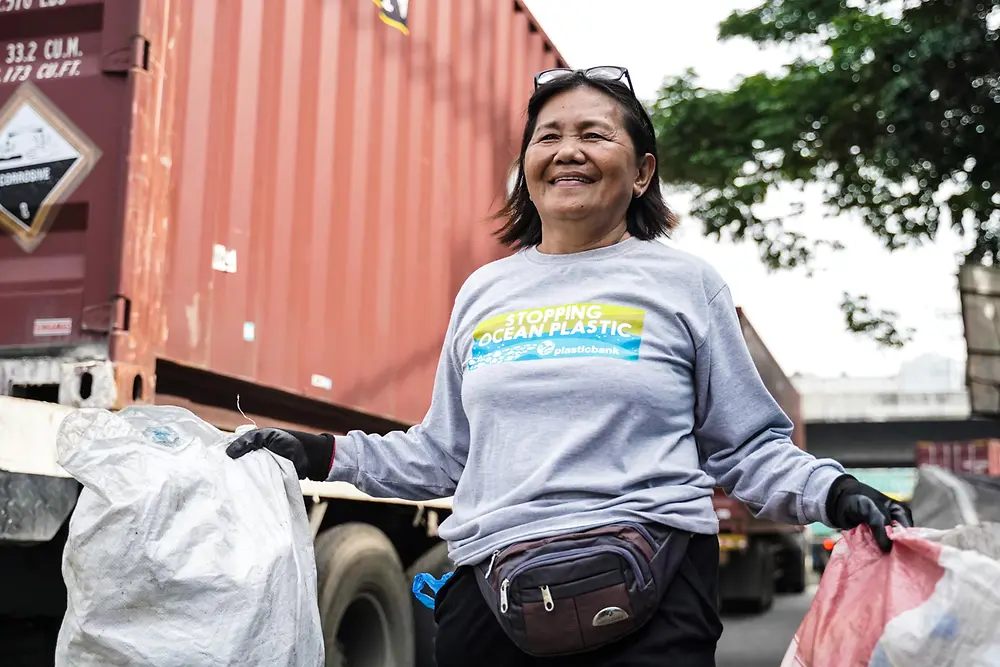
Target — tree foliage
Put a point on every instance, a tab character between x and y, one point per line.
892	107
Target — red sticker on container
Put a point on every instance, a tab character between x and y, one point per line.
62	326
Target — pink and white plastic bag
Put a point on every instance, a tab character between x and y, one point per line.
934	601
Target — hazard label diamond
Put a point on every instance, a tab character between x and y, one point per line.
43	158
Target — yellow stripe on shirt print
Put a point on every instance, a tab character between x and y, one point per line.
567	330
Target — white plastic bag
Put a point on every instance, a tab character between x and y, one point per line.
934	601
179	556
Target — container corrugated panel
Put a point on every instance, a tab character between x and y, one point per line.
969	457
290	192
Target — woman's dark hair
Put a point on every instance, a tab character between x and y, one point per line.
648	216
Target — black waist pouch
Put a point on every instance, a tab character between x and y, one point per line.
576	592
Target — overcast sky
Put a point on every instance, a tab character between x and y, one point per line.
798	317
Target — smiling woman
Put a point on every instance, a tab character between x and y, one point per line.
588	161
581	171
593	389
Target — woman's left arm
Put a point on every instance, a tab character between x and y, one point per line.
744	438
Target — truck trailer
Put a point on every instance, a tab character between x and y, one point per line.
273	200
254	210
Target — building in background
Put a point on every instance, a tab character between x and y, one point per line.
876	422
927	387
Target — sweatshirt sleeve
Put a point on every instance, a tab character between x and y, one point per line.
744	438
421	463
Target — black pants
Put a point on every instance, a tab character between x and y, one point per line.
683	633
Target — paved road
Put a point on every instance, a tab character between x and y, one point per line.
761	641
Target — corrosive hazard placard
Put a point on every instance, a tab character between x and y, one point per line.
43	158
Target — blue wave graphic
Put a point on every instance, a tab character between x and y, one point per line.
595	338
557	347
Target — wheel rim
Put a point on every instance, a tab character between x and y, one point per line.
363	633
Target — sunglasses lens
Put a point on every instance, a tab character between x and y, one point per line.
602	72
551	75
608	73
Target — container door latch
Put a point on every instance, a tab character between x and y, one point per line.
108	317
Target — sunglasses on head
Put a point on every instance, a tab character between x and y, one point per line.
601	73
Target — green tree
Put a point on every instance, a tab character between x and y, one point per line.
891	107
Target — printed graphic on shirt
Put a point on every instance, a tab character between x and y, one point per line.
556	332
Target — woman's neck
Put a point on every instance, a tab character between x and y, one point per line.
558	240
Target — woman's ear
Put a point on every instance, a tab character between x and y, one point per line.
647	172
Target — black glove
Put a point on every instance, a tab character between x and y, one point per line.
852	504
312	455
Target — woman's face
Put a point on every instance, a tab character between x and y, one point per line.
580	163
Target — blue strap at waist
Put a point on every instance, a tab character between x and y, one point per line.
423	579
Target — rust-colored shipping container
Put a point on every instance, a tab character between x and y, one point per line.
968	457
278	198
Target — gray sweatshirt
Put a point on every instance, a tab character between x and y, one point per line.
579	390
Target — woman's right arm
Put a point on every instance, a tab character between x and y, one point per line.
421	463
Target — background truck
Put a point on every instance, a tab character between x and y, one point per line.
759	558
202	200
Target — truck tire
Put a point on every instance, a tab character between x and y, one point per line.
793	570
434	561
363	599
746	580
766	583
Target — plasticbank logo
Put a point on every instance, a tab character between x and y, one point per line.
557	332
545	349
